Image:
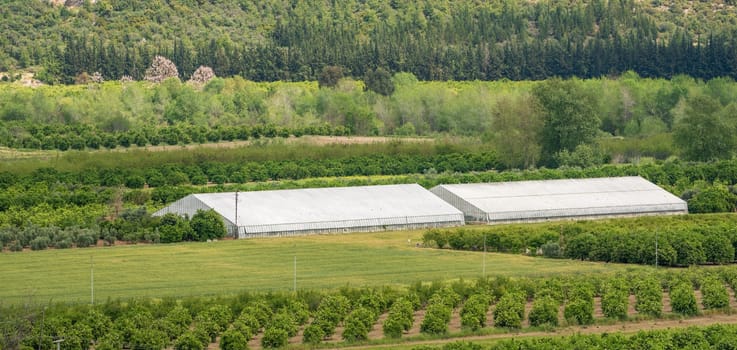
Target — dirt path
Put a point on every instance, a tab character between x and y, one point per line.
623	327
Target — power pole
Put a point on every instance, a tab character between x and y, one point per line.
236	214
92	281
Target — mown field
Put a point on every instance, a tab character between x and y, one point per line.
229	267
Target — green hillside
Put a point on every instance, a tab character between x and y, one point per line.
433	39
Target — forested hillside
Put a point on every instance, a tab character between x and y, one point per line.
433	39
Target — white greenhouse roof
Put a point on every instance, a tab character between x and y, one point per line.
568	198
336	209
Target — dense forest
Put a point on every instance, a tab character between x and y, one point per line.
433	39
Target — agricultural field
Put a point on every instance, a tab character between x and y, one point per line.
260	265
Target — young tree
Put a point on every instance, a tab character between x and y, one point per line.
379	81
704	134
161	69
202	75
683	300
329	76
516	131
207	225
569	115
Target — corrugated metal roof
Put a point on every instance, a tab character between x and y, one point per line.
566	198
339	204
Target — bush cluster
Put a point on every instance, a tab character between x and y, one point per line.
473	315
400	318
439	310
510	310
615	299
649	295
682	241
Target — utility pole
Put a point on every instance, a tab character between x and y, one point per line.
295	273
236	214
92	281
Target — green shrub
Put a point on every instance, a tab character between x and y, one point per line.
274	338
510	310
313	334
615	299
683	300
85	238
358	324
579	311
649	295
40	243
436	319
285	321
551	250
544	311
714	292
473	315
233	339
400	318
189	341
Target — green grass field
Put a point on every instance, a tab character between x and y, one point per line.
229	267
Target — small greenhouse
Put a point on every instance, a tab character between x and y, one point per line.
322	210
528	201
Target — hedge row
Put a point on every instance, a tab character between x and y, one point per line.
132	226
80	137
681	240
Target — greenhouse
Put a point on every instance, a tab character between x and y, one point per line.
322	210
529	201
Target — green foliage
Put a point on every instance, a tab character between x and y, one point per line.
703	133
207	225
284	321
615	299
682	240
233	339
400	318
274	338
579	308
712	199
510	310
649	294
189	341
544	311
473	314
551	250
569	119
173	228
714	293
683	300
358	324
379	81
313	334
332	310
329	76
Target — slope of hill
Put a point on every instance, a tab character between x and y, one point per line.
434	39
